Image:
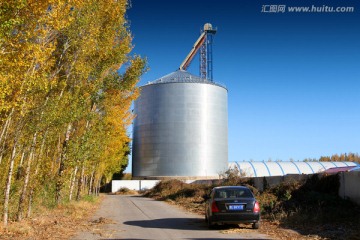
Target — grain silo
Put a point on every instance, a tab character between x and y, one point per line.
180	129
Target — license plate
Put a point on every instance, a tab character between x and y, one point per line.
236	207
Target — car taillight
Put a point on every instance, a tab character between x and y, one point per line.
214	208
256	207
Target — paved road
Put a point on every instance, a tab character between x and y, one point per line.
134	217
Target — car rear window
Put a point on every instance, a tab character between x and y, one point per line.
233	193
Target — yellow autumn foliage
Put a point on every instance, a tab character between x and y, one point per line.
64	108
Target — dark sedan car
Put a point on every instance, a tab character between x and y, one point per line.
232	205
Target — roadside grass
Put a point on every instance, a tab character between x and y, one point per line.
59	222
308	209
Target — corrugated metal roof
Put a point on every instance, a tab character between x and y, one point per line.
264	169
182	76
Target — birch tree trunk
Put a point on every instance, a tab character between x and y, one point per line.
32	189
72	184
26	180
97	187
6	125
20	169
30	202
59	182
8	185
80	183
22	159
56	155
3	134
91	183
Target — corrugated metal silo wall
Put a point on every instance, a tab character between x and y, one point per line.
180	129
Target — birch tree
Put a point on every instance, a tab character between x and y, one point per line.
64	108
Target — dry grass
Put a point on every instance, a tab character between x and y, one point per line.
58	223
126	191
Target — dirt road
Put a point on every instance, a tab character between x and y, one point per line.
135	217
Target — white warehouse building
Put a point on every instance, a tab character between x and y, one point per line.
267	169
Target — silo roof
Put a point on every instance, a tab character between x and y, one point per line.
182	76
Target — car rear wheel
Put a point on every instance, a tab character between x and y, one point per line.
256	225
210	224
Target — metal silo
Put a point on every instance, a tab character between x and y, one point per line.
180	129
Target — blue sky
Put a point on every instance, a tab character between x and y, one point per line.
293	78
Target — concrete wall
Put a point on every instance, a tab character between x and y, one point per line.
137	185
349	186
